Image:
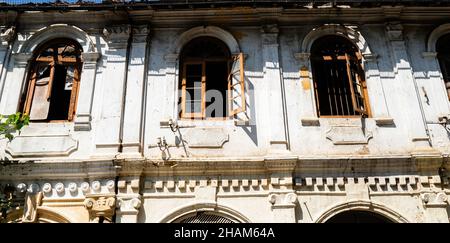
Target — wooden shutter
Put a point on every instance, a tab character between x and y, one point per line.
189	113
38	100
236	86
357	85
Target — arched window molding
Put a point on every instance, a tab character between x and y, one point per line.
172	59
379	108
434	37
23	53
362	206
188	209
431	55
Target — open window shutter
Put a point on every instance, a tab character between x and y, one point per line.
236	86
74	93
40	103
356	85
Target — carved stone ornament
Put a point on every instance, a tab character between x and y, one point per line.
100	206
6	35
345	135
117	36
33	199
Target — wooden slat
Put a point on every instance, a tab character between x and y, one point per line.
74	93
30	92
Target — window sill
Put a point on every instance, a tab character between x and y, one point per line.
187	123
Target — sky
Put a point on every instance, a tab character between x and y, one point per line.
42	1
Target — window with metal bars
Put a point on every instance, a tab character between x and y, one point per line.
339	80
212	80
53	82
443	54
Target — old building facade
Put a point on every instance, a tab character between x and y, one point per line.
326	112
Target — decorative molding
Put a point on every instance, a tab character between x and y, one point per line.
90	59
206	137
33	199
384	121
430	55
33	40
83	122
370	57
303	57
140	33
349	32
435	35
21	59
310	121
376	184
6	35
283	200
348	135
129	204
434	199
270	34
394	31
212	31
34	146
237	184
117	36
100	205
68	189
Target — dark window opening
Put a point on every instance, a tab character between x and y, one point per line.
53	83
205	68
354	216
216	74
338	75
443	51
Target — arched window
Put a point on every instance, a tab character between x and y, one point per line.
209	77
443	52
339	80
53	82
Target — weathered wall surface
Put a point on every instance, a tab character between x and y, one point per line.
282	163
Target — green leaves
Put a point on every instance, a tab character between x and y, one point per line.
12	123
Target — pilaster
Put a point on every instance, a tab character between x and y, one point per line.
272	77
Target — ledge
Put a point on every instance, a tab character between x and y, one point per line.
310	121
384	121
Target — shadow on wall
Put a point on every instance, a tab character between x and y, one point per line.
251	130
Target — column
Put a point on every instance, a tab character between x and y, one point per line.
272	77
133	114
13	84
404	76
5	52
85	96
107	135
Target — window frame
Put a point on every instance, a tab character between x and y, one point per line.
52	61
230	65
360	78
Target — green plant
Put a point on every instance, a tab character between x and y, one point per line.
9	125
12	124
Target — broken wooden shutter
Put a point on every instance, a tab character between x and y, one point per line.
236	86
73	83
357	84
39	104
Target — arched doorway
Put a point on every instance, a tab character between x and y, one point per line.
358	216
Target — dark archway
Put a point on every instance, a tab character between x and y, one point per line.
356	216
204	217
